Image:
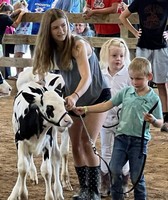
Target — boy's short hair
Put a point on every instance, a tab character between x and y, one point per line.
141	64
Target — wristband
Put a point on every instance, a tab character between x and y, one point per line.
154	121
85	109
77	94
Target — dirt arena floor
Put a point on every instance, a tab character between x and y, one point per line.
156	170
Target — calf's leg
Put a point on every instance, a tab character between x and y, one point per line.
20	189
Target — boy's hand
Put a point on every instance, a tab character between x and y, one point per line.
79	110
149	118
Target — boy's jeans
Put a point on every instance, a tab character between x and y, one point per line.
128	148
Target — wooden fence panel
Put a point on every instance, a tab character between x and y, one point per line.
31	39
73	18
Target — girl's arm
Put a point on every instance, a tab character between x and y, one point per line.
124	20
16	12
80	52
18	20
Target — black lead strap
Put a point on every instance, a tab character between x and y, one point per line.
144	125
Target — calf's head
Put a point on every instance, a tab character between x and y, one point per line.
51	107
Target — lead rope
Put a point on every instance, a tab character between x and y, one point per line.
141	152
92	143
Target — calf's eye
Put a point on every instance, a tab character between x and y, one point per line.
49	111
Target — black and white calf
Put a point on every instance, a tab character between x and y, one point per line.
53	82
36	114
5	88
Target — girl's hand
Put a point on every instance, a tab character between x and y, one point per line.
71	101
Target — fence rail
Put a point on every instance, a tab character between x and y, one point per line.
73	18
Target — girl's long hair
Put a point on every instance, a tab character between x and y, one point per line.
47	55
104	53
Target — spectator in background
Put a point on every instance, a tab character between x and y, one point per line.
96	7
83	29
70	6
8	48
5	20
152	43
38	6
24	28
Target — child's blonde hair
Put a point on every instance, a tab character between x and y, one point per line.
104	52
19	4
141	65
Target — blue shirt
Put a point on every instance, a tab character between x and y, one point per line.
24	28
38	6
133	106
72	6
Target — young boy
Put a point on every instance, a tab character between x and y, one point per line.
137	100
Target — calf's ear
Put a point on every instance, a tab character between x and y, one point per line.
30	98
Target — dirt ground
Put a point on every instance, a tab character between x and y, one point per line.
156	170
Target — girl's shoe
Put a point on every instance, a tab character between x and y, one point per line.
83	195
